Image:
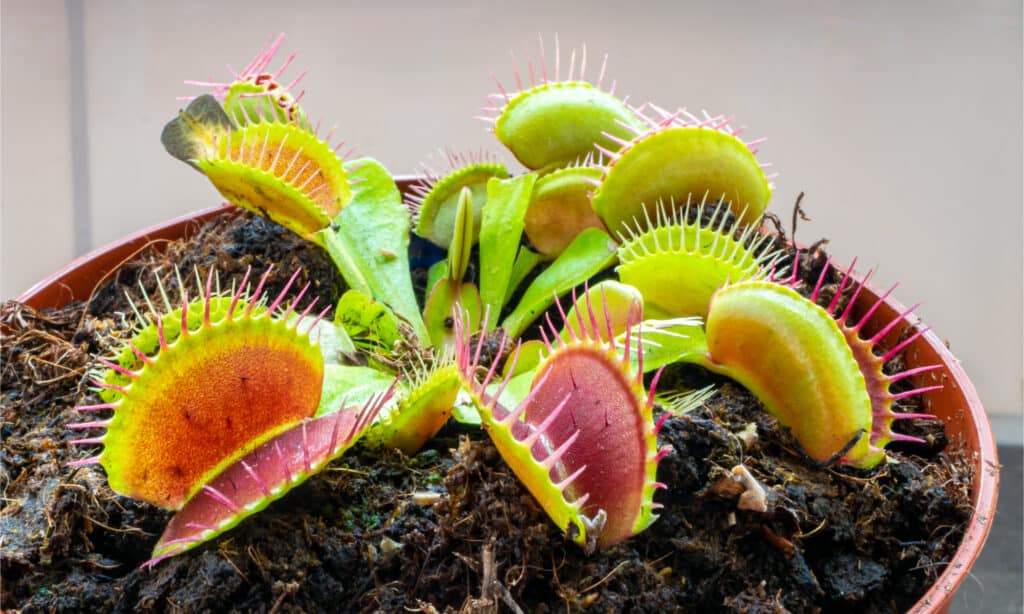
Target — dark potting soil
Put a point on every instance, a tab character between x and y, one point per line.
450	529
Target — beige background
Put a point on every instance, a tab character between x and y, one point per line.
901	121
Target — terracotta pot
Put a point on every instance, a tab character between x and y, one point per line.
957	403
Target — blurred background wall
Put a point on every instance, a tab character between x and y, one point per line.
900	121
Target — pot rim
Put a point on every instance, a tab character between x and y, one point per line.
89	270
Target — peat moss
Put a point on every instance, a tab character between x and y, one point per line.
451	529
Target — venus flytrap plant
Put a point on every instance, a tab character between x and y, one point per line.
223	404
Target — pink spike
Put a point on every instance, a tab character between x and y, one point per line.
209	294
256	479
97	407
656	506
219	497
305	449
559	452
551	326
661	422
915	371
255	298
331	447
565	319
895	321
796	268
501	89
160	333
544	339
856	293
583	64
654	386
548	421
590	311
199	526
911	416
494	365
558	60
839	292
605	152
867	316
910	393
515	71
114	387
662	453
821	280
284	291
288	476
116	367
97	424
600	76
213	84
295	81
238	292
569	480
905	438
625	352
86	442
580	502
639	350
660	486
543	61
291	305
615	139
505	381
305	312
899	348
184	313
608	319
284	66
92	460
319	317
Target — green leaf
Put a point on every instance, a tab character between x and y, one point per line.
462	243
500	231
369	242
351	385
666	342
589	253
369	321
525	262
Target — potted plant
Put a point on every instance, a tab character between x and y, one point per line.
699	295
